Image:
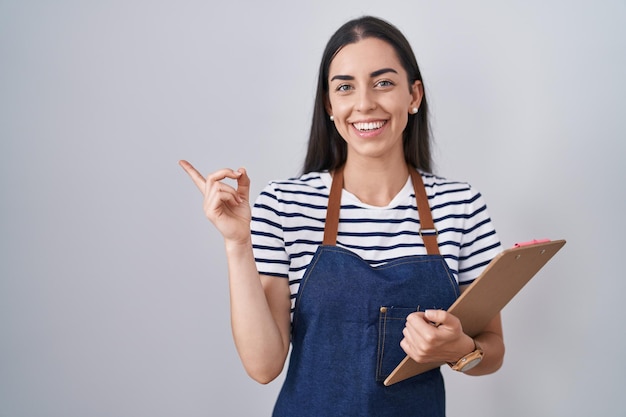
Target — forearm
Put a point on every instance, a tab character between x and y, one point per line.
492	343
260	340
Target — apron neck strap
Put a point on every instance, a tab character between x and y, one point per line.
427	230
332	212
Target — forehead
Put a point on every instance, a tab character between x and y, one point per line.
365	56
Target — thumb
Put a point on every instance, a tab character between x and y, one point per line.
243	184
435	317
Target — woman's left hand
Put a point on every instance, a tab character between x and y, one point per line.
435	336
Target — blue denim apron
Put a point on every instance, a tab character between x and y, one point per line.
347	327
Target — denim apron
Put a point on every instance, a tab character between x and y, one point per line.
348	322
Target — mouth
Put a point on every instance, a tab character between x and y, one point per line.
369	126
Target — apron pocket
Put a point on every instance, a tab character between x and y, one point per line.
391	322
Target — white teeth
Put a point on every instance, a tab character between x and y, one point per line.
368	126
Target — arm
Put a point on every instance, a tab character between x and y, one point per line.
491	341
446	342
260	315
260	305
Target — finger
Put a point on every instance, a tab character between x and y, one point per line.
444	321
406	345
196	177
412	344
218	192
243	184
214	184
407	338
222	174
417	320
436	317
417	324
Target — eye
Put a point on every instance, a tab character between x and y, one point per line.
384	83
343	88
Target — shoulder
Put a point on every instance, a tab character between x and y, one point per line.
460	213
310	182
311	188
441	189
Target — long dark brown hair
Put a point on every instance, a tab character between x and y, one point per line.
326	149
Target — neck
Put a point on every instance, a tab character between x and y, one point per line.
375	185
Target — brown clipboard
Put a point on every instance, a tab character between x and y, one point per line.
501	280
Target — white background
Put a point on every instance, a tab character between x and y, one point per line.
113	288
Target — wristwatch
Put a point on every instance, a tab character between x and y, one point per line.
468	361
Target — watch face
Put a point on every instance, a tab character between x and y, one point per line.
470	364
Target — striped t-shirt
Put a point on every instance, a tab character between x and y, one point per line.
288	226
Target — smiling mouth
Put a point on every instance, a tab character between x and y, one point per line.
369	126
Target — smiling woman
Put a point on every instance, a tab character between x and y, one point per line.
332	264
370	98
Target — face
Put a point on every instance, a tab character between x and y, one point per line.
370	98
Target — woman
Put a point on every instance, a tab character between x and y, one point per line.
351	272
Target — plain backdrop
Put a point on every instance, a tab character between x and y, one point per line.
113	285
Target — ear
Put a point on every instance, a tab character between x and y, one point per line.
417	93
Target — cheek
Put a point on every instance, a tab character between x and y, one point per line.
339	108
404	119
342	127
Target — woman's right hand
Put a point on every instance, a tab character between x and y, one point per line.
226	207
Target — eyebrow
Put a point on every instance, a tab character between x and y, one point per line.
372	75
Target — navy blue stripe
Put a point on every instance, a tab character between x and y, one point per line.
380	221
273	274
481	250
321	208
300	192
301	254
266	221
272	261
303	179
300	268
454	203
301	204
478	238
380	234
300	228
303	242
268	195
270	248
449	243
383	248
266	207
463	188
475	266
265	234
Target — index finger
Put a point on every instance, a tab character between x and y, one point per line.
421	319
440	318
196	177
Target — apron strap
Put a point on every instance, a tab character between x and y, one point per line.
332	212
427	231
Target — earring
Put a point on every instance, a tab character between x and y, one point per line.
332	118
414	110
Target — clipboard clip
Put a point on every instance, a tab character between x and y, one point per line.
531	242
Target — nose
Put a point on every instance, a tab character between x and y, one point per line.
365	100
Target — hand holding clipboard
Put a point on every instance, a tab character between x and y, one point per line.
503	278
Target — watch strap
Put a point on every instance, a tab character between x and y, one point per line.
468	361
